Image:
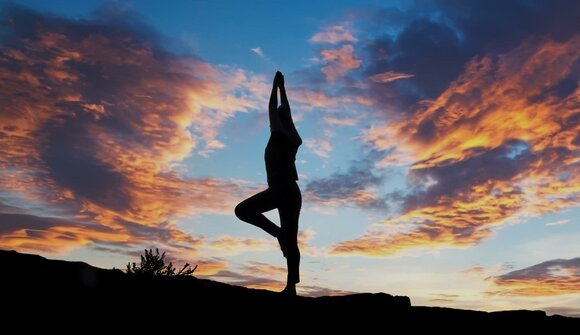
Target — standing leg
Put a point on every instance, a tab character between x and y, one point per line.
251	209
289	217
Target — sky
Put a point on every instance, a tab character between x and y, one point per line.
440	157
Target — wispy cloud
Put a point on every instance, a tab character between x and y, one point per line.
356	186
320	147
229	244
389	76
309	98
263	269
340	121
555	277
559	222
444	297
258	51
475	270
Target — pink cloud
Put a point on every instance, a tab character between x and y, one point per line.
320	147
339	61
333	35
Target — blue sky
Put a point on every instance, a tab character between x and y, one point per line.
440	157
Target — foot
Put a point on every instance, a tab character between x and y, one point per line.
289	290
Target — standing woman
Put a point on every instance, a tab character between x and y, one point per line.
282	192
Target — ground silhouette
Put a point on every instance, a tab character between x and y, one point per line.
34	283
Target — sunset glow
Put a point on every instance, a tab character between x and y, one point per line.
441	155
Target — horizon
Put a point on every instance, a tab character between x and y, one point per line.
440	157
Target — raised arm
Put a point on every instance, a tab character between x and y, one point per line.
273	105
283	97
285	114
275	121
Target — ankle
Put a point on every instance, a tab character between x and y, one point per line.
290	289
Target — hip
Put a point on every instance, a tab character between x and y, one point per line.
285	191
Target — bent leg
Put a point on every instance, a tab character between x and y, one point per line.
251	209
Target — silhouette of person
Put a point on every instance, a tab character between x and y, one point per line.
283	192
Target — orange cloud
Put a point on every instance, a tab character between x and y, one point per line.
500	142
450	222
262	269
209	267
361	198
333	34
239	243
489	104
96	120
339	62
59	239
476	270
555	277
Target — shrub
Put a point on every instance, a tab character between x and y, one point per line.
154	264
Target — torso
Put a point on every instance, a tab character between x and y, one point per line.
280	156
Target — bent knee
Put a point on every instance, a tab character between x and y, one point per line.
241	212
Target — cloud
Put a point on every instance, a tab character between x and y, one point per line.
444	298
320	147
559	222
317	291
209	267
389	76
336	121
505	267
305	238
435	48
263	269
258	51
33	233
475	270
307	98
239	244
247	279
498	143
338	62
333	35
431	51
96	119
357	186
555	277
